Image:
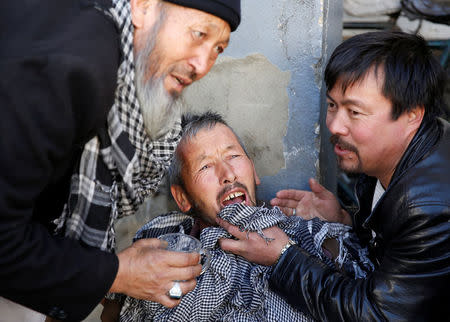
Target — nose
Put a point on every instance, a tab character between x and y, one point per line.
226	173
337	123
202	61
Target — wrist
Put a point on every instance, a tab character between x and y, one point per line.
284	249
117	285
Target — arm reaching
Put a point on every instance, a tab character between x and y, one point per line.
147	272
251	246
319	202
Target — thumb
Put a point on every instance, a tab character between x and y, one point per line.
316	187
229	245
150	243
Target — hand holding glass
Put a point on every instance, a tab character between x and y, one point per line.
179	242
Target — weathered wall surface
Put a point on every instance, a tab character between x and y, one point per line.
268	86
251	94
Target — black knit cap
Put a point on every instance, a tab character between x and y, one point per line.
228	10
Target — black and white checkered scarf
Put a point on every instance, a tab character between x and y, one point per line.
233	289
121	166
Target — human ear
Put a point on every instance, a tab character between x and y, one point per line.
139	10
180	197
415	116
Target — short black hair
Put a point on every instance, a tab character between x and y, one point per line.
412	75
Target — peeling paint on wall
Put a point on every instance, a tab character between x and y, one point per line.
251	93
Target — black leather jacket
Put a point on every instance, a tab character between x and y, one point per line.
411	250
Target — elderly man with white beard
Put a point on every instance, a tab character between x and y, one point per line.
90	121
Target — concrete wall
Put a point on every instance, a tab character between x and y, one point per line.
268	86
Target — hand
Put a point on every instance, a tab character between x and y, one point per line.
319	202
148	272
254	248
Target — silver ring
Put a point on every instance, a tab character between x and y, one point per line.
294	211
175	292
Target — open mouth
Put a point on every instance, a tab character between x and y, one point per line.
182	81
234	197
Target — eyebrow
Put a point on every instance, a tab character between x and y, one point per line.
202	157
348	101
214	26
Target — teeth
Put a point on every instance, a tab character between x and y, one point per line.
233	195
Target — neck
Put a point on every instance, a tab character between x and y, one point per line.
386	177
199	225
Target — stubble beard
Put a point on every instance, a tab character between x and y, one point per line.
197	211
160	109
353	166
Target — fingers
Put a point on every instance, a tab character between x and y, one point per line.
180	259
185	286
150	243
284	203
233	230
315	186
167	301
230	245
256	249
175	259
291	194
181	273
146	272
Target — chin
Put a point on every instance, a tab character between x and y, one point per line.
350	168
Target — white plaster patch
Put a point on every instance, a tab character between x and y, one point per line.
251	93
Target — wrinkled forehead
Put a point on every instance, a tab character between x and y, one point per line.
207	141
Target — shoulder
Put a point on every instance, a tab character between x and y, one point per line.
50	25
420	197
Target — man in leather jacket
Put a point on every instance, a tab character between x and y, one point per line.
385	92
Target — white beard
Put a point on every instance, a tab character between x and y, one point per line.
159	109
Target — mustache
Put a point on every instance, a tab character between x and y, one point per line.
230	187
184	71
336	140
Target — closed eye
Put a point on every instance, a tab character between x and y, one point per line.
234	156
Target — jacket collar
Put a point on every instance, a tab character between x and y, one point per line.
426	137
429	132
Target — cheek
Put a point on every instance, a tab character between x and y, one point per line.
363	134
328	120
211	63
244	170
205	185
